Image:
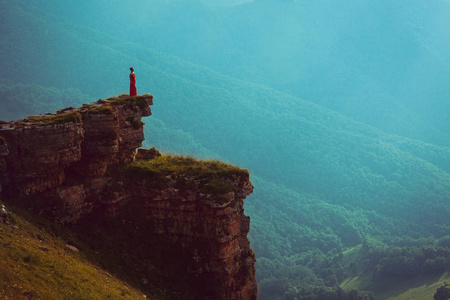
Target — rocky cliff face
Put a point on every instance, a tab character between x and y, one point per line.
3	152
173	222
61	159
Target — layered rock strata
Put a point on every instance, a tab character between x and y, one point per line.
193	213
175	220
61	159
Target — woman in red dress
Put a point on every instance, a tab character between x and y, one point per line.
133	91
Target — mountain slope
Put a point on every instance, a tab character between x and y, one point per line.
38	262
324	181
20	101
296	140
380	63
410	287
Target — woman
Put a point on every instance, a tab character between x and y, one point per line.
133	91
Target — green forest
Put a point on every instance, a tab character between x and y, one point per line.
351	168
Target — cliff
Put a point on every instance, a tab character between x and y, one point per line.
3	152
173	223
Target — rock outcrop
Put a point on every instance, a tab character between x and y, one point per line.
194	212
176	222
61	159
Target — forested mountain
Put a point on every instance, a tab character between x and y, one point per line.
325	179
382	63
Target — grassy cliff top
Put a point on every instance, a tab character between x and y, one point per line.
130	102
179	165
217	178
44	120
74	115
51	119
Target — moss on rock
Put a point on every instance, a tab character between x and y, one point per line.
129	102
179	165
51	119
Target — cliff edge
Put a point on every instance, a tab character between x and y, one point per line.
173	223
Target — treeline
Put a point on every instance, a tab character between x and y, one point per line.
442	293
405	262
317	275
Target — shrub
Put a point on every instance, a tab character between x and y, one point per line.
136	124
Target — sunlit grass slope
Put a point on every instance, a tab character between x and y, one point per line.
405	289
34	259
416	288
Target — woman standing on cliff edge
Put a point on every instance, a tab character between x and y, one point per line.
133	91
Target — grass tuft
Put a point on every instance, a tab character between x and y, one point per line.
45	120
165	165
215	176
136	124
130	102
104	109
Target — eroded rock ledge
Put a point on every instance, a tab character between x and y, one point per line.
173	222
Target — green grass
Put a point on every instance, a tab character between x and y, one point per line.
35	258
103	106
129	102
418	288
165	165
103	109
215	176
45	120
136	124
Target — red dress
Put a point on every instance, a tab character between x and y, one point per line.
133	91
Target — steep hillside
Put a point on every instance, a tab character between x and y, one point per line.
376	267
39	261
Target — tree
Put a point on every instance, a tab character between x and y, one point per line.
442	293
